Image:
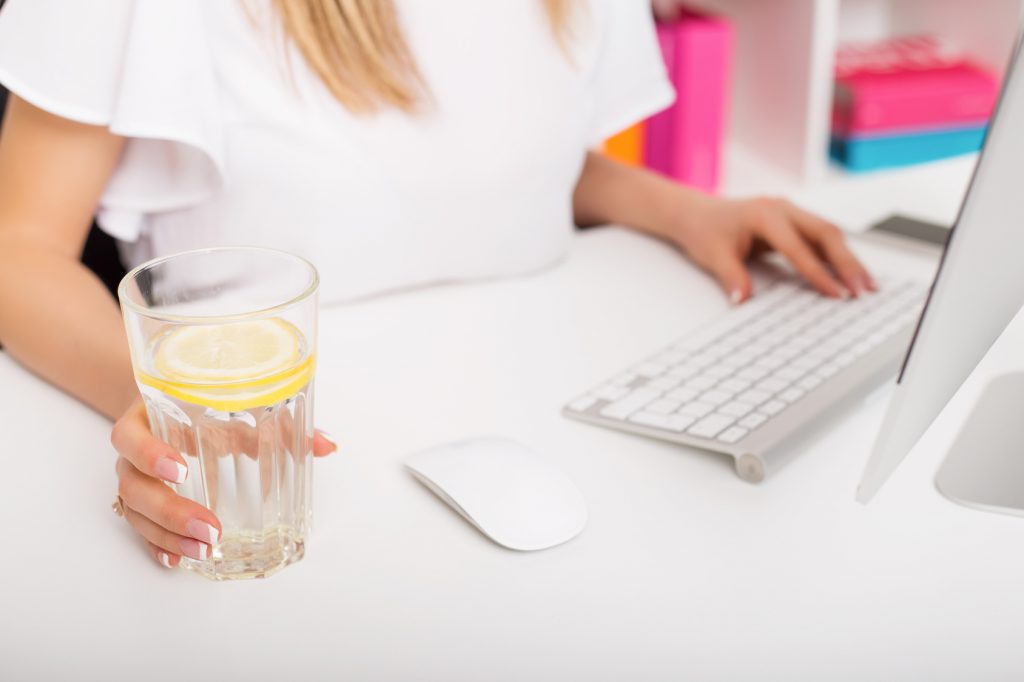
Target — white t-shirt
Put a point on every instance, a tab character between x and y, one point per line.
232	139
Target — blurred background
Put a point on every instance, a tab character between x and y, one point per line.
848	107
844	105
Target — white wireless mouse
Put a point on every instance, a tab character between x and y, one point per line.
513	496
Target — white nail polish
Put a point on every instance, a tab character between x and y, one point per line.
202	552
202	531
182	472
165	560
329	437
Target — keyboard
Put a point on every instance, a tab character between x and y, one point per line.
751	383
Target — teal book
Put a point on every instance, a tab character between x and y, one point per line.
873	152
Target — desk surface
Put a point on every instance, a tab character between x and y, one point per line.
683	570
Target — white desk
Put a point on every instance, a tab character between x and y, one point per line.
684	571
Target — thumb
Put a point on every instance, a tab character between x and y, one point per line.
732	275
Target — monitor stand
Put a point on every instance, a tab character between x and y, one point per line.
985	467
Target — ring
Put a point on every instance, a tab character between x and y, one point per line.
118	506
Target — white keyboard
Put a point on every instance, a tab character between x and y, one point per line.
766	370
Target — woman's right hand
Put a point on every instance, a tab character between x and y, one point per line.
171	525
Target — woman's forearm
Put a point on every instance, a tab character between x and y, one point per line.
611	192
58	320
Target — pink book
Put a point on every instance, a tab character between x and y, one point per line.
685	141
909	84
658	143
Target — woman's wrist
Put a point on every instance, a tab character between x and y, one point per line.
610	192
672	211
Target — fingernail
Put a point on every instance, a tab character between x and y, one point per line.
194	549
201	530
170	470
165	559
735	296
329	438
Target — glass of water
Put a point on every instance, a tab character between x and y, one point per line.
223	344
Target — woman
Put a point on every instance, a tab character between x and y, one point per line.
395	143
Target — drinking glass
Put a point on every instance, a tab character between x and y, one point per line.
223	345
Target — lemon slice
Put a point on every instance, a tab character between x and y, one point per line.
230	367
228	352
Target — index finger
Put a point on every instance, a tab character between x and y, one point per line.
830	241
133	440
785	238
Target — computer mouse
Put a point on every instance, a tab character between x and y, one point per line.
512	495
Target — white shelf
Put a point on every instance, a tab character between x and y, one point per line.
782	89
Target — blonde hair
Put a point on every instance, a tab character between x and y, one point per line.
358	49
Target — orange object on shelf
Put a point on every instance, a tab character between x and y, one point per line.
627	146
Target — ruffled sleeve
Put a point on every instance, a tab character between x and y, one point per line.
628	80
143	69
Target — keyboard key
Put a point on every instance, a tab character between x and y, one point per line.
809	382
772	407
701	383
582	403
649	370
663	383
682	394
716	397
663	406
697	409
789	374
752	421
845	359
680	422
802	342
737	360
820	354
659	421
624	379
703	360
736	409
758	348
891	328
734	385
752	374
772	385
791	395
877	338
754	397
710	426
732	434
670	422
805	362
770	362
683	372
861	348
788	352
828	370
627	405
611	392
670	358
718	371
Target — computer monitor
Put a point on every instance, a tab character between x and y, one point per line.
978	289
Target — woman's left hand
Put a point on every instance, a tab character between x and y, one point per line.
721	235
